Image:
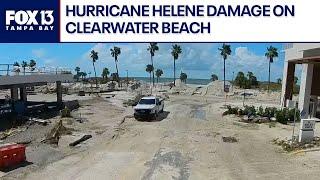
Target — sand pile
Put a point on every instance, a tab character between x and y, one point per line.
214	88
180	87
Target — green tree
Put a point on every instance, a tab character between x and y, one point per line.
115	52
159	73
183	77
296	79
149	69
24	65
279	80
77	69
252	79
271	53
240	80
244	81
32	65
105	73
214	77
84	75
225	51
175	52
16	66
153	47
94	56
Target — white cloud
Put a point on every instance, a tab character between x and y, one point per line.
39	53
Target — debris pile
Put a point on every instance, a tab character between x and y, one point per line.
229	139
10	132
293	145
134	101
54	135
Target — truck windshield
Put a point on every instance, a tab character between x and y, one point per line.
147	101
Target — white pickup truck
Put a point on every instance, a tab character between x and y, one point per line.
148	107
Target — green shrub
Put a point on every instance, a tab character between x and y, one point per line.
249	110
281	117
260	111
270	112
231	110
65	112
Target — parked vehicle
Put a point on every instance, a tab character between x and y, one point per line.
148	107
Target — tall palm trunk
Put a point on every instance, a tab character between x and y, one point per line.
95	73
152	70
224	74
24	71
157	79
150	78
269	75
118	78
174	72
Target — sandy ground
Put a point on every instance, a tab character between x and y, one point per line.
184	143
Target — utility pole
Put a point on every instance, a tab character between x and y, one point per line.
127	79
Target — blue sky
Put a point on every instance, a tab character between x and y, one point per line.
198	60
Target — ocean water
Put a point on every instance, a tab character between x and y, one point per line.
168	80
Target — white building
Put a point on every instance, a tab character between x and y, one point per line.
308	55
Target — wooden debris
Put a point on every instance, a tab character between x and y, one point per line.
54	135
84	138
40	121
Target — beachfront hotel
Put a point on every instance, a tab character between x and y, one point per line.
308	55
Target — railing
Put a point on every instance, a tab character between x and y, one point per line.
5	68
10	69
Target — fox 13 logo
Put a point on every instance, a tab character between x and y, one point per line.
29	20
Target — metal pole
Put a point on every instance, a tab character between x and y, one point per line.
294	121
127	80
8	70
244	96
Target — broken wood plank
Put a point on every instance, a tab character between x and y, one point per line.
84	138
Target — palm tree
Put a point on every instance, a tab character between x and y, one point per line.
115	52
84	75
77	69
94	56
271	53
183	77
32	65
16	66
159	73
149	69
175	51
24	64
105	73
225	51
214	77
153	47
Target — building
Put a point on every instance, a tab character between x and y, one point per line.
308	55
